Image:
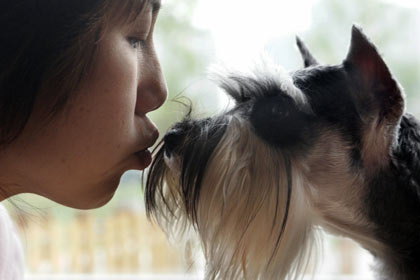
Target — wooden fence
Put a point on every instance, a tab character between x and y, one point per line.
125	242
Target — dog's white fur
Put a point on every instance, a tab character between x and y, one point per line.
262	69
242	205
241	211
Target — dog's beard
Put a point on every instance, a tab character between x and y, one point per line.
251	214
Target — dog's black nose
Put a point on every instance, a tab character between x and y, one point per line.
172	139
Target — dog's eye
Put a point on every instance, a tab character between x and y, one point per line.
278	110
172	139
279	121
277	106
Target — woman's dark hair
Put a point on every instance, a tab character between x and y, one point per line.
46	51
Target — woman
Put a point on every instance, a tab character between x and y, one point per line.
77	79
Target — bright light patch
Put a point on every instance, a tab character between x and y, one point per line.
406	3
241	28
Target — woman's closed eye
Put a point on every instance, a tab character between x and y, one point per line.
136	42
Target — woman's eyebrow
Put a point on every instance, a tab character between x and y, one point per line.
156	5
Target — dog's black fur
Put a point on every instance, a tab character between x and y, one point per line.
359	107
393	202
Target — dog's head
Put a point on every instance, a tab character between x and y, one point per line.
296	151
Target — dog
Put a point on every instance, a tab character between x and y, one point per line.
327	146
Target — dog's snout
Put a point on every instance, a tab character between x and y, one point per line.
172	139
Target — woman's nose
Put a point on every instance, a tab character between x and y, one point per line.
152	90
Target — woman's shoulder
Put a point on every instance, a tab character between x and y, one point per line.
11	251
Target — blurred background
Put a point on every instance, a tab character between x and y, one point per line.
191	35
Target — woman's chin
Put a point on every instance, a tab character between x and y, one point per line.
95	199
97	202
101	202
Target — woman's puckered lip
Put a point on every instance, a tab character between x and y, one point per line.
154	135
151	143
149	136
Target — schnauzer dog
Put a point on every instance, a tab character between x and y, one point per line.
324	146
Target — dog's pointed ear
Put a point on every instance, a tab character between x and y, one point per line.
308	59
381	100
372	75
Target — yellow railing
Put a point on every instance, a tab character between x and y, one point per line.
124	242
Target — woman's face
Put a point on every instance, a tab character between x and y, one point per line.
78	159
